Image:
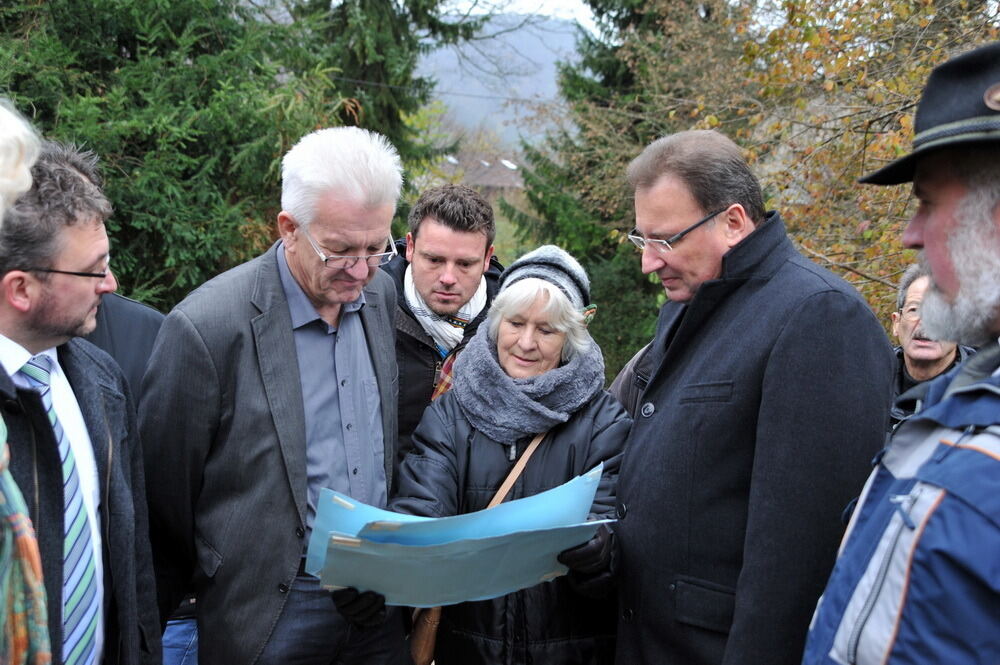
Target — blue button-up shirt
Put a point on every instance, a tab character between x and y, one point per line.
343	414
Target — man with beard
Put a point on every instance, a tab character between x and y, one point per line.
917	579
446	277
71	424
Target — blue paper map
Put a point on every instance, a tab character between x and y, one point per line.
425	562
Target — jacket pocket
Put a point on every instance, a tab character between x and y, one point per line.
704	604
209	559
715	391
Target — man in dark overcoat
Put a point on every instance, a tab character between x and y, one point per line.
71	426
758	408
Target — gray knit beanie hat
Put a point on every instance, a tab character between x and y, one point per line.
555	265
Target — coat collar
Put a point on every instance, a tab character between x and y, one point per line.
968	395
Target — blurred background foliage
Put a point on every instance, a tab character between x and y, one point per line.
818	92
191	103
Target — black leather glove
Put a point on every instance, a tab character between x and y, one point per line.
591	564
365	609
592	556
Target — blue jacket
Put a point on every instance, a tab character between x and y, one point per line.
918	576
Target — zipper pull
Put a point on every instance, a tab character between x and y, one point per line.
512	452
904	502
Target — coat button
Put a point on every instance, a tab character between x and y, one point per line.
648	409
12	406
627	614
621	511
283	588
299	531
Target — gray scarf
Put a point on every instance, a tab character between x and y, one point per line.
507	409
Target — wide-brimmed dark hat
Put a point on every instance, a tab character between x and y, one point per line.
960	104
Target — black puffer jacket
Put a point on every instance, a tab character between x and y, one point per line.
416	354
454	469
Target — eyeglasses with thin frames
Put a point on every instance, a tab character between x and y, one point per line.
338	262
910	312
668	244
74	273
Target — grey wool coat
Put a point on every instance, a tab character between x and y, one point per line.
759	408
131	629
224	430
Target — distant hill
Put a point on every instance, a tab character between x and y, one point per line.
499	82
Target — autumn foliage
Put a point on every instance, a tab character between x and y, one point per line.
818	92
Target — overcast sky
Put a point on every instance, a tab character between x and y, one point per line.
565	9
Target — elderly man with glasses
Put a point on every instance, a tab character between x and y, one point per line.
268	383
919	358
758	407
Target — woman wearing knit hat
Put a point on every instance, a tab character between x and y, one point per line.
533	369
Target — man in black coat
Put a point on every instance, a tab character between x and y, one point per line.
446	277
758	408
126	330
74	447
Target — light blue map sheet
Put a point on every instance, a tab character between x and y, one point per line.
424	562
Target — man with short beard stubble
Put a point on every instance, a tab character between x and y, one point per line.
917	577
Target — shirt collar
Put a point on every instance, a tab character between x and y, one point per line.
13	356
299	306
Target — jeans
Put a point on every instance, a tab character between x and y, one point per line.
310	631
180	642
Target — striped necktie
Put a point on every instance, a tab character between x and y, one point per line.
79	593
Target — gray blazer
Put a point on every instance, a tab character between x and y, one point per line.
224	436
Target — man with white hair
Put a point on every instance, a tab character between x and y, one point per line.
268	383
917	578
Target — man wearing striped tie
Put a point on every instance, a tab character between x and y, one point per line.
71	424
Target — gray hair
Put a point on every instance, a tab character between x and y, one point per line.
520	296
66	190
710	164
974	247
351	162
19	146
457	207
912	274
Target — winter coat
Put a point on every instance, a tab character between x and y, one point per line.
131	626
416	354
907	402
917	580
454	469
760	405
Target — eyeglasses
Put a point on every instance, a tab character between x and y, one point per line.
336	262
910	312
97	275
667	245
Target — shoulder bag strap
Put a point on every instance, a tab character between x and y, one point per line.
515	473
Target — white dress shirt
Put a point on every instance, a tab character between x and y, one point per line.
13	356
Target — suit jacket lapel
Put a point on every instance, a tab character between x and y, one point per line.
378	326
279	372
95	399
